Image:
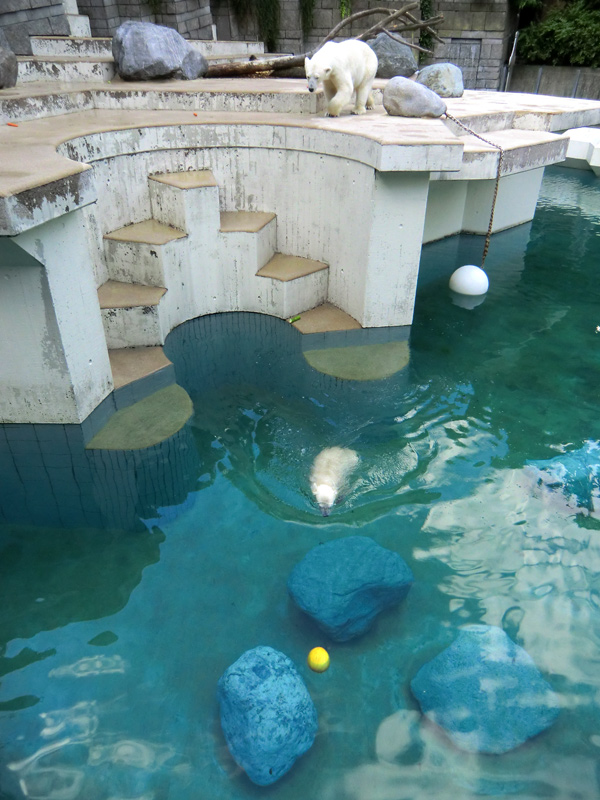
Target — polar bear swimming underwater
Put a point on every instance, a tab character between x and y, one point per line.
329	472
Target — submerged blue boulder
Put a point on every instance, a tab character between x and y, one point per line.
576	474
267	714
485	692
343	585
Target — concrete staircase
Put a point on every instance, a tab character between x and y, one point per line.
84	58
191	258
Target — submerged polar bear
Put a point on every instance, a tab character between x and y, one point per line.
329	472
344	68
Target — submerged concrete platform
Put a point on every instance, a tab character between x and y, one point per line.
240	174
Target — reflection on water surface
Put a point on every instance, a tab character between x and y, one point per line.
130	580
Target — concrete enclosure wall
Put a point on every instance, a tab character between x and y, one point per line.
476	37
192	18
21	19
556	81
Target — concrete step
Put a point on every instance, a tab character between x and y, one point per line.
79	24
70	46
325	318
130	314
134	363
245	221
287	285
219	48
289	268
98	68
186	200
139	253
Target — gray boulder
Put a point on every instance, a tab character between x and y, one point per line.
343	585
446	80
404	98
394	58
9	66
144	51
267	715
485	692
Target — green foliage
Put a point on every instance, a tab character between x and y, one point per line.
345	8
425	38
522	5
567	37
267	18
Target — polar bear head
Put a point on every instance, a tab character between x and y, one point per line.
325	496
316	72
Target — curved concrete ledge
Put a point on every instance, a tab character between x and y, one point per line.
357	194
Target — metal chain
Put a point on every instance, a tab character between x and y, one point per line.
488	236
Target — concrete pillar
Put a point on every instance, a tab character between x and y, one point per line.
397	218
445	209
54	291
515	204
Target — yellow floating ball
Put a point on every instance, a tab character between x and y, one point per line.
318	659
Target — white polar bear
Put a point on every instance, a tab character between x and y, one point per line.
344	68
329	472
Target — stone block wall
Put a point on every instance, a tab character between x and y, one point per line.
291	39
476	38
191	18
21	19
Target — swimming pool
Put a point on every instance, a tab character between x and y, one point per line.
131	580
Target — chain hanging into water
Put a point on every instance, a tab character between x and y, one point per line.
486	246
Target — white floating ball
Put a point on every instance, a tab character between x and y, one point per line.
469	280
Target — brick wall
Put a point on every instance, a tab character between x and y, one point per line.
291	39
191	18
21	19
476	37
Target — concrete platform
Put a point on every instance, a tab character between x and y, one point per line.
116	294
145	423
325	319
583	151
289	268
134	363
85	161
149	231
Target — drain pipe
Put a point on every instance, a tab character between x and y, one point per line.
511	62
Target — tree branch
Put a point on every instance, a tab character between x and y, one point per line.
404	20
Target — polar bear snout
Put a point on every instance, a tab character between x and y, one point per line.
312	84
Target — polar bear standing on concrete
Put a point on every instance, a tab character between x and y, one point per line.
344	68
329	473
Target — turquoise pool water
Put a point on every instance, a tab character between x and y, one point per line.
130	581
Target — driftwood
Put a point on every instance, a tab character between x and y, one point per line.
394	23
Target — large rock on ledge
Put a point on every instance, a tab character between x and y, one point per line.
144	51
485	692
394	58
267	714
446	80
343	585
404	98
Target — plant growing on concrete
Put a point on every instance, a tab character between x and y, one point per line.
266	13
156	6
307	8
426	37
